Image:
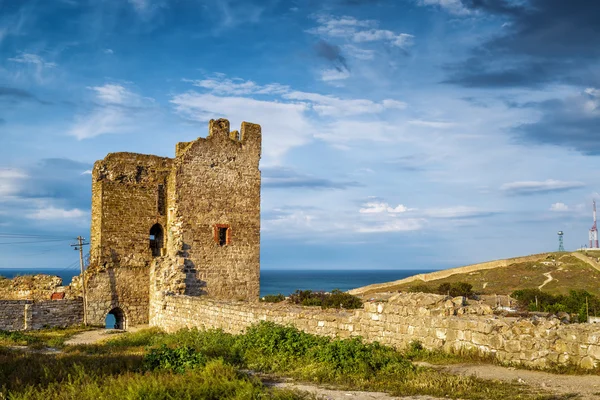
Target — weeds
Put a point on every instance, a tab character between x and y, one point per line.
205	364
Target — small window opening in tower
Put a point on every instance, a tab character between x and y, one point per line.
222	236
156	240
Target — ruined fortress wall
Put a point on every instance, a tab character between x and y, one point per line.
18	315
12	314
125	205
31	287
120	287
55	313
426	318
432	276
217	182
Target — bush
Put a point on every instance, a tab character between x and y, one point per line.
420	288
461	289
176	360
335	299
273	298
573	303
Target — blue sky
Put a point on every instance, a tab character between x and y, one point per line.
396	134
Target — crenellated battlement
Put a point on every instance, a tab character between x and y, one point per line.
219	129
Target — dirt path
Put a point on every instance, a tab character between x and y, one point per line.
336	394
587	386
98	335
548	280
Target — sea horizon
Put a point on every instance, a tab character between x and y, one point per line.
274	281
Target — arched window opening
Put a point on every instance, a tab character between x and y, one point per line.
115	319
156	240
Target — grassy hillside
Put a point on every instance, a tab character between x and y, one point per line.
567	272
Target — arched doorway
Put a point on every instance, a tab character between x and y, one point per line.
156	239
115	319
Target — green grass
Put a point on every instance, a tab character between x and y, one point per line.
571	274
52	337
151	364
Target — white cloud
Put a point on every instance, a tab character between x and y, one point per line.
399	225
225	86
359	31
360	53
532	187
333	74
559	207
28	58
87	172
288	119
453	6
108	51
116	112
308	222
380	207
117	94
10	181
432	124
51	213
455	212
334	106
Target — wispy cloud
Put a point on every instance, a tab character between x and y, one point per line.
286	178
375	207
11	181
27	58
288	116
452	6
53	213
559	207
359	31
524	188
116	111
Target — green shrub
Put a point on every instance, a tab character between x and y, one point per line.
573	303
335	299
420	288
461	289
273	298
177	360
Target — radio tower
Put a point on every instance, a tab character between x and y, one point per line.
561	246
594	230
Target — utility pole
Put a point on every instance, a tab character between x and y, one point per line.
79	246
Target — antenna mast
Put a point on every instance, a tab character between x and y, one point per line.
594	230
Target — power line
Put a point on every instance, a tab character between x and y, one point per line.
38	241
32	236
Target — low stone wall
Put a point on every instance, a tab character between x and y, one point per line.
436	321
12	314
18	315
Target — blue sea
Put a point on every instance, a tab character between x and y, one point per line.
279	281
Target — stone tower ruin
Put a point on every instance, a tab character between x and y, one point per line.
197	213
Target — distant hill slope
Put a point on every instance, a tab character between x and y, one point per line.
556	273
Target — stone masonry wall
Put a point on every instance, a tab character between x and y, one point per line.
117	287
435	321
27	314
125	196
216	181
